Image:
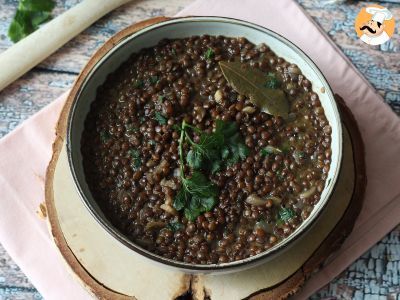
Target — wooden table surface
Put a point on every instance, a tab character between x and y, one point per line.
375	275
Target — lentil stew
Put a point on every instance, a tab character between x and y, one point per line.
192	170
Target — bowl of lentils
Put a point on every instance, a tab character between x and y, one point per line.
205	144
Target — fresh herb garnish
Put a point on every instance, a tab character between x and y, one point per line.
222	147
160	118
176	127
285	214
29	15
134	153
196	196
209	53
299	156
104	136
138	84
130	129
175	226
153	79
270	150
152	142
161	98
173	51
272	81
136	161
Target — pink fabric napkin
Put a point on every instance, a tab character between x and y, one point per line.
26	151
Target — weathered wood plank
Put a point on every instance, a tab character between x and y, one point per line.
13	283
72	56
29	94
379	64
57	73
376	275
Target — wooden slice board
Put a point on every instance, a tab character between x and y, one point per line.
110	270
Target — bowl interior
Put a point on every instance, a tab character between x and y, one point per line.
181	28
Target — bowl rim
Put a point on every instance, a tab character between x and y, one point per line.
123	37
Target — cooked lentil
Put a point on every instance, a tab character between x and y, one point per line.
131	159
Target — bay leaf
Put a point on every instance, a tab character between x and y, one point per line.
251	82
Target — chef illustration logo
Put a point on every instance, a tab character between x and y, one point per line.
374	25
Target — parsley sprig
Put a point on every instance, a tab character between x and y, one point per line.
160	118
29	15
153	79
285	214
136	161
213	151
209	54
270	150
104	136
174	226
224	147
138	84
272	82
